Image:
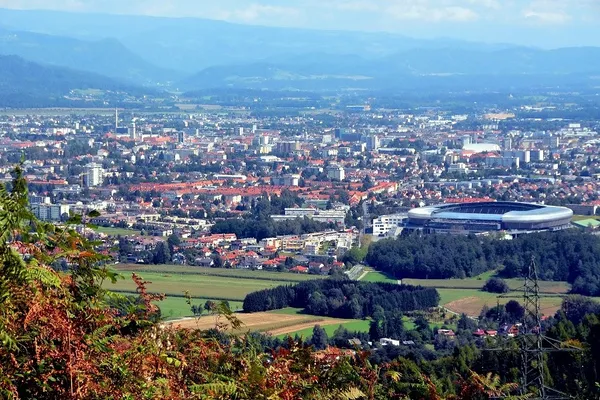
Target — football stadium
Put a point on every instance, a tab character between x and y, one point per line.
514	218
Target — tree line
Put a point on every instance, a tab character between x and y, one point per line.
260	229
343	298
572	256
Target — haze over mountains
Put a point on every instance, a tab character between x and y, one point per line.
104	56
188	54
28	84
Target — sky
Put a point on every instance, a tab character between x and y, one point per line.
543	23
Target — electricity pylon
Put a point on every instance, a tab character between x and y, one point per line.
534	346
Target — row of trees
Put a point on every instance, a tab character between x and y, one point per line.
572	256
343	298
260	229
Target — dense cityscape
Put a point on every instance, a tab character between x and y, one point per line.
346	172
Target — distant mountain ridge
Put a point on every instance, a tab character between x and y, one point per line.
213	54
106	56
192	44
412	69
28	84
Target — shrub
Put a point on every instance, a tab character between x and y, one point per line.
496	285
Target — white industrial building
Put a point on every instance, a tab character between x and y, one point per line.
334	216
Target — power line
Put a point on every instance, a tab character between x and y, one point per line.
534	346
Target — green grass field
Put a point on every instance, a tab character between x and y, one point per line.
284	277
354	325
201	283
201	286
117	231
376	276
582	217
287	311
176	307
476	283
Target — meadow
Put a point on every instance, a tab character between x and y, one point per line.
330	328
546	287
370	275
219	272
176	307
201	283
116	231
330	325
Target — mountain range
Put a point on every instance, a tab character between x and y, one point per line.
188	54
105	56
191	44
418	69
28	84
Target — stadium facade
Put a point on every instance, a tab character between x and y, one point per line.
510	217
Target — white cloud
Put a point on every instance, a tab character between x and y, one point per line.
548	11
259	12
491	4
547	17
353	5
344	14
428	11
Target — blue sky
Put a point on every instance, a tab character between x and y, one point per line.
545	23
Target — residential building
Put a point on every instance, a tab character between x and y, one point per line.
336	172
93	175
50	212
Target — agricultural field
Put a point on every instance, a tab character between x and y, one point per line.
201	283
273	323
471	301
201	286
370	275
116	231
352	325
465	295
176	307
546	287
142	269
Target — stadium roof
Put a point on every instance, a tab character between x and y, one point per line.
510	212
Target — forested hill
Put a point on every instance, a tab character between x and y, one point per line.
26	84
105	57
571	256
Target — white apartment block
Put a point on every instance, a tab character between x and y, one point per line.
49	212
336	172
94	175
385	223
